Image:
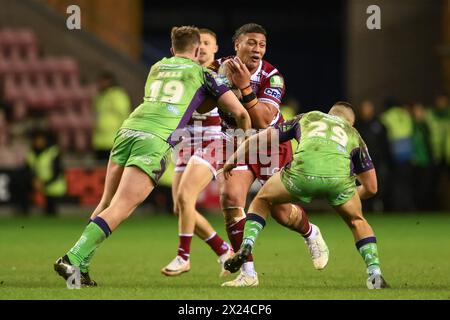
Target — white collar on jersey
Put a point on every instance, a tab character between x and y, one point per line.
254	77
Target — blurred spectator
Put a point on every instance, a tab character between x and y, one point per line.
289	110
7	157
438	119
399	127
374	134
20	126
44	161
112	106
13	150
422	160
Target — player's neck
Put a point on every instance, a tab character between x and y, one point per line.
253	70
186	55
207	63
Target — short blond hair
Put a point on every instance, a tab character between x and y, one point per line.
208	31
343	110
185	38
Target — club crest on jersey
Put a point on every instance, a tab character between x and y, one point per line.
276	93
276	82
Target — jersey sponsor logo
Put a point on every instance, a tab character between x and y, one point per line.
341	149
173	109
277	82
145	159
276	93
128	133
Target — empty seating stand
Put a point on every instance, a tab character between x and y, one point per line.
48	86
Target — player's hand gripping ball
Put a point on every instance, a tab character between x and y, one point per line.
223	75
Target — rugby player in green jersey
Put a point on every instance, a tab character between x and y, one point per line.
175	88
330	157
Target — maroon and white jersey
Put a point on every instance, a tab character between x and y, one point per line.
201	131
268	85
208	124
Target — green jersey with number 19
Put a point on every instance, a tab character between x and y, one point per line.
175	88
328	146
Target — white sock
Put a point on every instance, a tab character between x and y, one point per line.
249	269
314	232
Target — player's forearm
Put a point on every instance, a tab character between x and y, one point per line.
229	102
260	112
261	115
243	120
369	185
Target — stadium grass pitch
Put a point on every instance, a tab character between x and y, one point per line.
414	252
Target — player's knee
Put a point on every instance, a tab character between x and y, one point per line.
262	202
175	210
231	199
184	200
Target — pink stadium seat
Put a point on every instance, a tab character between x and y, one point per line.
19	44
47	97
78	94
60	122
50	85
50	65
36	72
85	109
68	65
60	72
68	71
39	97
13	66
26	40
4	67
74	119
86	121
31	95
56	121
82	141
12	91
7	37
3	47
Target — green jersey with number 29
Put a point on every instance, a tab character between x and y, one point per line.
328	146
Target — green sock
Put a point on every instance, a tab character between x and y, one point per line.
253	226
83	251
85	264
369	253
